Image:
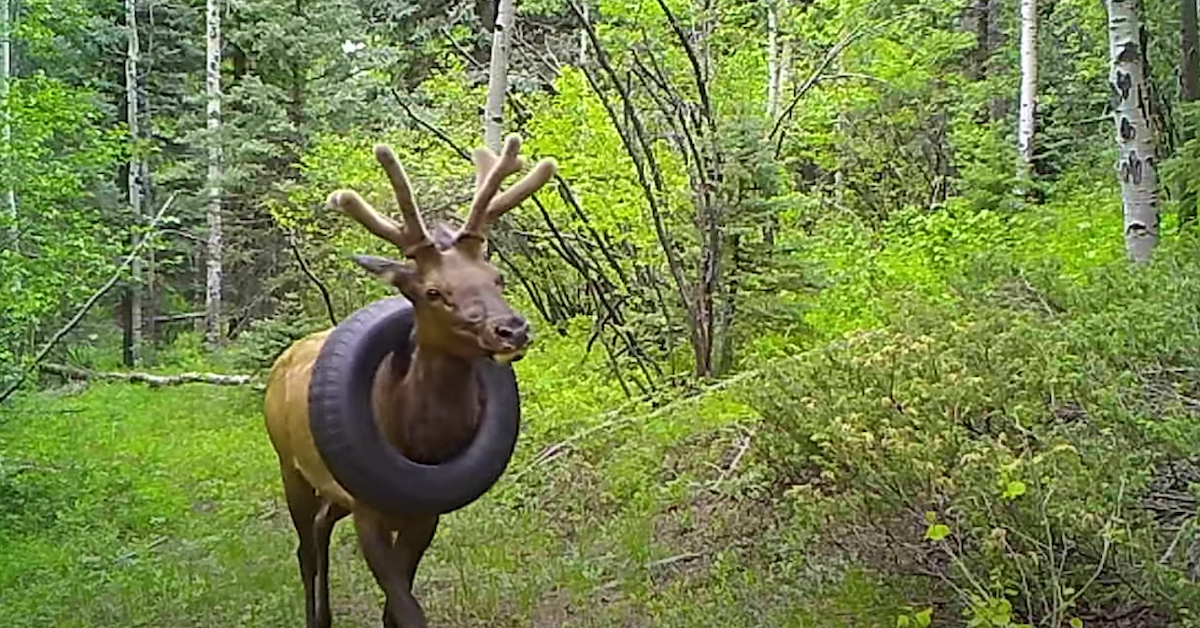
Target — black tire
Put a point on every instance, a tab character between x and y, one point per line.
344	430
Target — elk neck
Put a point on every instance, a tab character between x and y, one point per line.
433	411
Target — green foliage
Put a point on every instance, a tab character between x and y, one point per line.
1032	413
928	374
59	247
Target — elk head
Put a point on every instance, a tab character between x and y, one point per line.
456	293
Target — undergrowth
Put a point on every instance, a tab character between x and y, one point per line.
990	421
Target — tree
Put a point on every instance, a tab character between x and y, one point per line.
1189	57
1029	76
212	284
1189	88
772	60
133	343
1136	167
6	22
493	111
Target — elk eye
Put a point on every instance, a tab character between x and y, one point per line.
433	294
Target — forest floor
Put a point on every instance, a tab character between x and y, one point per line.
132	506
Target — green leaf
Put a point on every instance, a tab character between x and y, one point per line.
1075	622
1014	489
937	532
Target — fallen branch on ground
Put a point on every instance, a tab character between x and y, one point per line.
215	379
87	305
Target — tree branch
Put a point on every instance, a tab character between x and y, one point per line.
291	240
815	77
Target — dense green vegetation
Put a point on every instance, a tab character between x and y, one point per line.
920	399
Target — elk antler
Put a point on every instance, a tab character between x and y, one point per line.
413	238
490	170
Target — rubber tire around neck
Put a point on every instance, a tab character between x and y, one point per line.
346	436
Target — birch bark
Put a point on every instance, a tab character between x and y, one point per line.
6	71
1136	167
132	53
1029	76
772	61
493	112
213	276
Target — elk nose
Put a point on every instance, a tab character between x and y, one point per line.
513	329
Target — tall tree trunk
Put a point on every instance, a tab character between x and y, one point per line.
773	85
779	64
7	19
493	111
1029	75
583	39
975	20
996	66
1189	57
212	283
1189	90
785	68
1135	141
133	353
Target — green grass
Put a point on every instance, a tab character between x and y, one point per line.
133	506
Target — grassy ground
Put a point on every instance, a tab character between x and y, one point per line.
142	507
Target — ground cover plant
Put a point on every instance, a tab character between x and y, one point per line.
1017	452
847	312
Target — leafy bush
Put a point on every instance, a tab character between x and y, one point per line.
1011	443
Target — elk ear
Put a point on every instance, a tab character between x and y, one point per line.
401	275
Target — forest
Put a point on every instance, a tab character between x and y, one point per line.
845	313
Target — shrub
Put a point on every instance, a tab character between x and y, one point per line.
1013	443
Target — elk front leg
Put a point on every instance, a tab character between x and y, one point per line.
394	565
410	546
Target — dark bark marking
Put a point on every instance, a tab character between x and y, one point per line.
1127	130
1129	53
1124	85
1133	168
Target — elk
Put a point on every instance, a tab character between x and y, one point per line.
408	409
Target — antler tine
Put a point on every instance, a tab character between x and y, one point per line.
490	171
353	205
524	188
415	236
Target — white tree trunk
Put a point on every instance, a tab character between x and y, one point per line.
583	39
773	85
134	180
1135	142
7	19
212	284
785	71
493	111
1029	76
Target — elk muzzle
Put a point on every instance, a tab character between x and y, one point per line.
511	337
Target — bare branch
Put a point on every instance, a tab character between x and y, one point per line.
815	77
291	240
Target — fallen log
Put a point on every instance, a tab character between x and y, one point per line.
216	379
